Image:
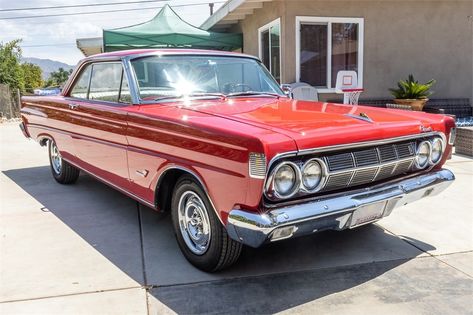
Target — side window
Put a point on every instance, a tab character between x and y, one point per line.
125	96
105	82
82	85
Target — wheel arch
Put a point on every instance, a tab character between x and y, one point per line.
43	139
167	182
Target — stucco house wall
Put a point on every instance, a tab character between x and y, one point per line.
430	39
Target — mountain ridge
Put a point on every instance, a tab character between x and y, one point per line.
47	65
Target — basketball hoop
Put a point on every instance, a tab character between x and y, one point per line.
350	96
347	84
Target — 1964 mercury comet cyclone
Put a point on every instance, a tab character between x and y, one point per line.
212	138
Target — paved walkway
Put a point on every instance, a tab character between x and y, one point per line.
87	249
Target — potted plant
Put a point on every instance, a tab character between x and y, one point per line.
411	92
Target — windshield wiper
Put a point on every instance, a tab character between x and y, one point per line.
215	95
205	94
166	98
192	95
253	93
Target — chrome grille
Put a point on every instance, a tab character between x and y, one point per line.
351	166
364	176
364	166
338	181
385	171
405	149
387	153
366	157
340	161
403	167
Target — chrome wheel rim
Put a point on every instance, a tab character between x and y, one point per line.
56	159
194	222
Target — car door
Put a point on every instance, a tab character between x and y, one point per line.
100	116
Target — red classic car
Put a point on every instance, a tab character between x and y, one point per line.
212	138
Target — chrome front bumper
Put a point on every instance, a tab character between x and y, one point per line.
336	212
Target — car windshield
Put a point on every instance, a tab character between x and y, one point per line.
168	77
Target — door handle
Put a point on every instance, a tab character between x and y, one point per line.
73	106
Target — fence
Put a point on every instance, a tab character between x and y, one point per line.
9	102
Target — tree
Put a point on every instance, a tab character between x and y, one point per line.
58	77
11	72
32	76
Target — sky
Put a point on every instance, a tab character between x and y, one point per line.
54	37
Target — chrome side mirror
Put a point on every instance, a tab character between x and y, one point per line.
286	88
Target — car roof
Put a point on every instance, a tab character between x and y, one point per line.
166	51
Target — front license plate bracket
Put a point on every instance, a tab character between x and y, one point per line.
368	214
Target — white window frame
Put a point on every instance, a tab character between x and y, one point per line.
267	27
329	20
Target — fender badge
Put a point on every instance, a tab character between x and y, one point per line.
425	129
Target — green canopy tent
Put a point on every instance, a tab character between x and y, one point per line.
168	30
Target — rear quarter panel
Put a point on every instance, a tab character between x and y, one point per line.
49	117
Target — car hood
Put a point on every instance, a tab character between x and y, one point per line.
316	124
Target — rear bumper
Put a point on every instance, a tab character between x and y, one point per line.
342	211
24	130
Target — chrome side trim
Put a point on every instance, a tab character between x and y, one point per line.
335	211
79	136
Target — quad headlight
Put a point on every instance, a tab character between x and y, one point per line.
437	150
312	174
423	154
286	180
429	152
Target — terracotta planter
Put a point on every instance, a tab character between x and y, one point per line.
415	104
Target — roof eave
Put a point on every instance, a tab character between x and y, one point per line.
232	12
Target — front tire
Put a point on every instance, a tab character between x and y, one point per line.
63	172
201	237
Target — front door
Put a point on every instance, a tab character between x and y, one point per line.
100	122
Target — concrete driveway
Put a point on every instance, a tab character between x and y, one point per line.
87	249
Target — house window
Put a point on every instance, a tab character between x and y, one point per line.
270	47
325	46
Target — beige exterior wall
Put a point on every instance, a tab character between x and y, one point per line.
430	39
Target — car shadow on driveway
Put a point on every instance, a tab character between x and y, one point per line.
270	279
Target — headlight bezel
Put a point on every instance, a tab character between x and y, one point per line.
322	179
429	153
271	190
442	150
